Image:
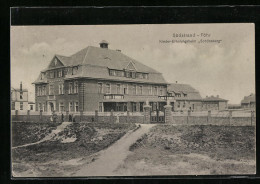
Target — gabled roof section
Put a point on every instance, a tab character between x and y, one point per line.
130	66
55	62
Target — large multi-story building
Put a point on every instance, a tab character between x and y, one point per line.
98	78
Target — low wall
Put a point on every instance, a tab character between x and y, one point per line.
205	120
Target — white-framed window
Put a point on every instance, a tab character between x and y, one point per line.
62	107
43	107
61	89
76	87
76	106
74	70
51	74
100	87
161	90
51	89
112	72
70	106
108	88
40	106
118	88
141	90
60	73
70	88
145	75
150	90
134	89
21	105
155	90
125	89
43	90
21	95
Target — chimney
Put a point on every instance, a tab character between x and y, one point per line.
206	96
104	44
176	82
118	50
21	86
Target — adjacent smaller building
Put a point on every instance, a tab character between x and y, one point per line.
19	99
248	102
185	97
214	103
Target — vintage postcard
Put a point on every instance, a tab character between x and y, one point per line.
133	100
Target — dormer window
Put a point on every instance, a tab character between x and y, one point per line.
74	70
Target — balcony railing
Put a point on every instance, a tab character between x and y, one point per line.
51	97
113	96
167	97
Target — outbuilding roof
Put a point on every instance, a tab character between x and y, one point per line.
213	99
248	99
192	93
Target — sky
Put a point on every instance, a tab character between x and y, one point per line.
226	69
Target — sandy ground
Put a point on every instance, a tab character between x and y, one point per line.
109	159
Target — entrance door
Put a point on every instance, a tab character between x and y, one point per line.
157	116
51	106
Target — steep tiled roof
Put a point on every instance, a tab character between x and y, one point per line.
213	99
95	62
192	94
248	99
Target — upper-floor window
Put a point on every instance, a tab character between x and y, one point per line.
13	105
178	95
185	95
60	73
51	74
141	90
61	89
108	89
112	72
42	76
74	70
61	107
118	88
134	89
51	89
150	90
70	88
161	90
125	91
31	107
145	75
119	73
75	87
100	88
155	90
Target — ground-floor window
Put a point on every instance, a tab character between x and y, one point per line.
133	106
21	105
61	106
13	106
76	106
141	106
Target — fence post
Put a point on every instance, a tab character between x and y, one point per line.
230	117
188	116
168	113
147	115
127	116
252	117
40	115
28	115
112	116
209	117
81	115
96	115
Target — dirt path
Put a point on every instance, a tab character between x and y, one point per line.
110	158
49	136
